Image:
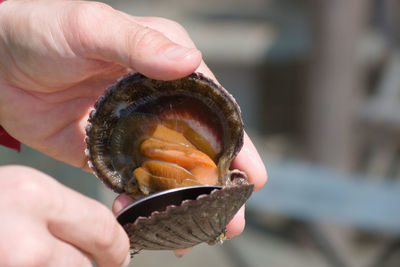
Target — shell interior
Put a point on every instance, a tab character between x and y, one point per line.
140	123
131	111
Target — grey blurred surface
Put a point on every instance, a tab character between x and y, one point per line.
75	178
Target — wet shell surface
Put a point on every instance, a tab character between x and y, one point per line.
169	142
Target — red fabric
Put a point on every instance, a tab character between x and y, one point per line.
7	140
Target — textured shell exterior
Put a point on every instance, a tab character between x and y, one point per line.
135	88
191	223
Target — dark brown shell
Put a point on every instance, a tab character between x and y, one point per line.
194	221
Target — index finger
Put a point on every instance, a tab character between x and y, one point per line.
89	226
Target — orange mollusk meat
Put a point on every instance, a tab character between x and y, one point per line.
173	161
166	134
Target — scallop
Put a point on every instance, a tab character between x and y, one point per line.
169	145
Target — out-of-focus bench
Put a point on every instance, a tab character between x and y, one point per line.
319	194
314	195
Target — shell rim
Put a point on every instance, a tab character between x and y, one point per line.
138	76
166	193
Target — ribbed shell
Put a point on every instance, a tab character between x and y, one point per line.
191	223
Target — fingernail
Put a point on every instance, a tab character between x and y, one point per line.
127	260
178	52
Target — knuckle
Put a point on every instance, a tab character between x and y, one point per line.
83	261
169	24
36	258
28	188
84	11
25	181
83	17
109	239
144	37
175	26
107	230
35	253
174	31
96	6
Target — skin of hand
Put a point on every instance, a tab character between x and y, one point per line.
57	57
45	223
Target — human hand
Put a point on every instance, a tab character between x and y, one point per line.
57	58
48	224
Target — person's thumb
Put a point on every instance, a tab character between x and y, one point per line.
106	35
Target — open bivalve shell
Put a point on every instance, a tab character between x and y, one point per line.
169	145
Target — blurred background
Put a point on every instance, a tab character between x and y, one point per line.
319	87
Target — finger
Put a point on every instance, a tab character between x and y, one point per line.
89	226
121	202
174	32
236	225
65	255
43	250
104	34
249	161
29	243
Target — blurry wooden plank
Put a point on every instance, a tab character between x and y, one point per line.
317	194
335	82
